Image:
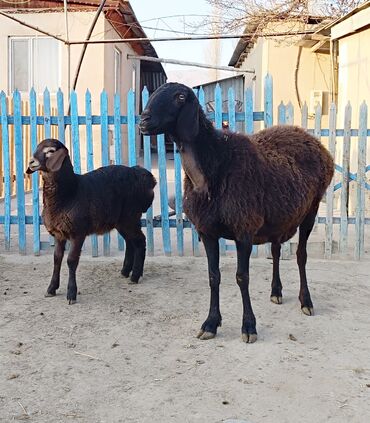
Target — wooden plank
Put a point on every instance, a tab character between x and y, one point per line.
166	236
343	240
289	114
218	125
47	114
178	202
281	114
18	140
90	159
148	166
60	114
75	134
35	177
104	152
131	128
118	150
231	108
268	121
248	111
361	180
6	158
330	190
304	114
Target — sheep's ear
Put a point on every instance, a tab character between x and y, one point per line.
187	126
55	161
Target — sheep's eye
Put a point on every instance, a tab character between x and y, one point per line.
48	151
181	97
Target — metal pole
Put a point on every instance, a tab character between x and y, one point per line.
185	63
68	50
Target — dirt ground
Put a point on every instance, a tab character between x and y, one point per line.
128	353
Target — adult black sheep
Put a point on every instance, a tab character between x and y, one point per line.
251	189
94	203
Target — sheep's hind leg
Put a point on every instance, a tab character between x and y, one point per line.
128	262
244	249
72	261
213	321
304	232
276	286
139	258
58	258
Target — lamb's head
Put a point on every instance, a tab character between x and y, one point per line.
172	109
48	156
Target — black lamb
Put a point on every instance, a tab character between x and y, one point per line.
94	203
251	189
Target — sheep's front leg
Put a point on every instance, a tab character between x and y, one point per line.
209	327
72	261
58	258
276	286
244	249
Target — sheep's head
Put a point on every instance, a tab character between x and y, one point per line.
48	156
172	109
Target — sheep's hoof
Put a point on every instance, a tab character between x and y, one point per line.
134	279
249	338
204	335
50	294
125	273
308	311
70	302
276	300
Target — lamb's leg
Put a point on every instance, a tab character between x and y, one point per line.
139	258
276	287
244	249
304	232
128	262
72	261
209	327
58	258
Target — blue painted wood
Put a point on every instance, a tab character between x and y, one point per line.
90	159
6	171
47	114
268	121
118	150
330	190
166	237
268	101
343	240
231	108
248	111
61	125
131	128
178	202
218	125
104	153
148	166
35	176
18	149
281	114
361	179
75	134
304	112
317	129
289	114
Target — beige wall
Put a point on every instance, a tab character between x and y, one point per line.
279	59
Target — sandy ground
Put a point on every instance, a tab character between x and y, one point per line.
128	353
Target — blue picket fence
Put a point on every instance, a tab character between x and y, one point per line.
74	124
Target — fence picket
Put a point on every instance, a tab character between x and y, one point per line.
47	113
361	179
330	190
18	149
61	124
148	166
104	152
6	158
343	241
35	176
90	159
304	114
248	111
131	128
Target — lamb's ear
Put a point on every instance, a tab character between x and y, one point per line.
187	126
55	161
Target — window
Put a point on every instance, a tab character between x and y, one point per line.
117	70
34	62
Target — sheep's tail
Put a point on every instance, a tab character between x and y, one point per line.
145	189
